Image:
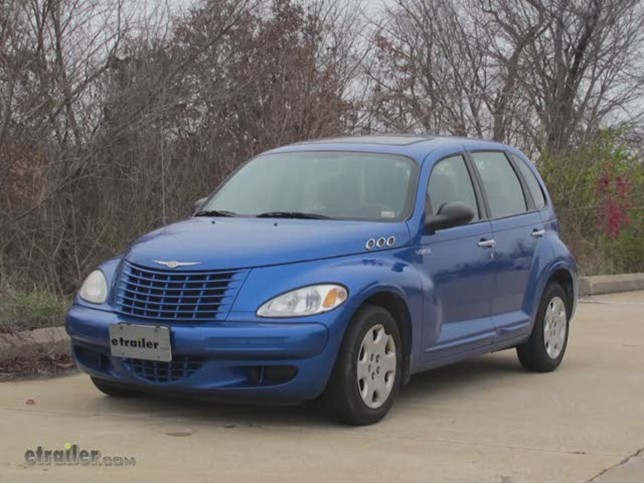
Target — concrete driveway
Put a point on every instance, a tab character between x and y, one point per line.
481	420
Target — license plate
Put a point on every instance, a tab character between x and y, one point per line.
141	342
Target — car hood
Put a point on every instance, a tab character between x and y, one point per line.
241	242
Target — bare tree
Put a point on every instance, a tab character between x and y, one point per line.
586	69
544	74
113	119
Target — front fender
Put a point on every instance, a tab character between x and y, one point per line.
363	275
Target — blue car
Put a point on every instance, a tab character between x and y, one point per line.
334	269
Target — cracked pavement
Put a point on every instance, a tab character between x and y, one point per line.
481	420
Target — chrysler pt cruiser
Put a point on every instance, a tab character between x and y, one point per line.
335	269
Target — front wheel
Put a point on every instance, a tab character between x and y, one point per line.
366	375
545	349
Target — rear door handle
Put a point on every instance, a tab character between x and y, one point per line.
486	244
538	233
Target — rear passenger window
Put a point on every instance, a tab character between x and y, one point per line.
502	186
450	182
531	181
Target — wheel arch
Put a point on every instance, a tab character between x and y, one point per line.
563	274
564	278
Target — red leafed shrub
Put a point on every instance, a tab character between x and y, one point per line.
614	193
598	194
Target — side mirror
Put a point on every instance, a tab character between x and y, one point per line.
199	203
450	214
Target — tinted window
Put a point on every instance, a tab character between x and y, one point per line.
501	184
531	181
339	185
450	182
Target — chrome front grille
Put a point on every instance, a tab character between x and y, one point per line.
175	295
180	368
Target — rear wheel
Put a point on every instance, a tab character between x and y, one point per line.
366	376
114	389
545	349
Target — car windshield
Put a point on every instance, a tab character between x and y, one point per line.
336	185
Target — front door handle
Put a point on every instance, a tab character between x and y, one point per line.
538	233
486	244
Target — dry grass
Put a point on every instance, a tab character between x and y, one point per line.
37	309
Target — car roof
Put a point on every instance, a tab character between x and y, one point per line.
416	146
385	139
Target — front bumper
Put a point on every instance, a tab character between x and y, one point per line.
265	361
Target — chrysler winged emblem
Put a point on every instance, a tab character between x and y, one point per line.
173	264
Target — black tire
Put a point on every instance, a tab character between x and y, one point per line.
114	389
533	354
341	398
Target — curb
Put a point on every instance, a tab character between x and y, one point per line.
593	285
34	343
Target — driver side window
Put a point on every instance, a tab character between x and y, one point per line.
450	182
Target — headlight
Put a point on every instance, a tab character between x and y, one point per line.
304	301
94	288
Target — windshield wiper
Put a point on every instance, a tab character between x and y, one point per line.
292	215
215	213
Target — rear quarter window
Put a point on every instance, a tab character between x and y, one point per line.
533	184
